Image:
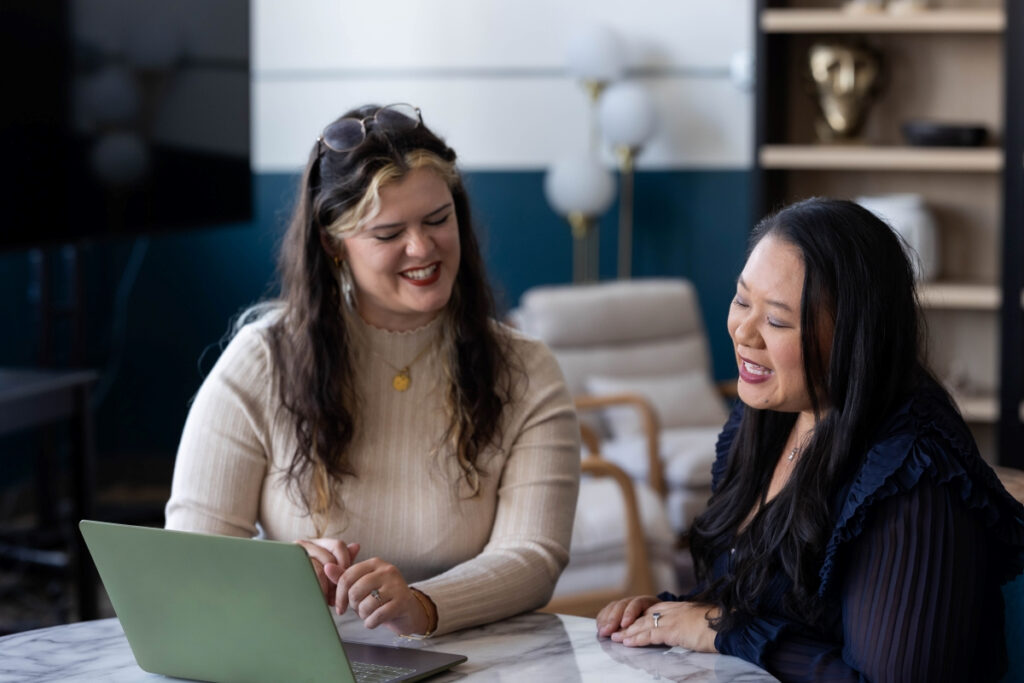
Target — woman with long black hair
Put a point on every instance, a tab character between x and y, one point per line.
854	532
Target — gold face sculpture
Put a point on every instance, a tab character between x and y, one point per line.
845	80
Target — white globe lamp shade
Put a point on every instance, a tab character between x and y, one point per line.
627	115
579	185
595	54
741	70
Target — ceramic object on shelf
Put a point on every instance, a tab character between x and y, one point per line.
909	216
925	133
845	77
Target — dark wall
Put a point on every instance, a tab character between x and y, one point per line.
157	309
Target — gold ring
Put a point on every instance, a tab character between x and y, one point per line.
376	594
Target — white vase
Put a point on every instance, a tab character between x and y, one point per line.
909	216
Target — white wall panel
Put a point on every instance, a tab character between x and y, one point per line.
413	34
490	75
510	123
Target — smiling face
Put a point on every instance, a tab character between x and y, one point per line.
404	261
764	323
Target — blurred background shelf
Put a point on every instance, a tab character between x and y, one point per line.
882	157
828	20
960	295
981	409
956	62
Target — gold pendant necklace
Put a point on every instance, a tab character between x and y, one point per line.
403	379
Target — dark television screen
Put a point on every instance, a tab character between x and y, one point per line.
122	117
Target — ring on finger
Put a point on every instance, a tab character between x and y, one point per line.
656	616
376	595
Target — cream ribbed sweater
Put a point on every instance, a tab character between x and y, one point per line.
479	559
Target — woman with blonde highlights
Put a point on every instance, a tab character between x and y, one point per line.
425	456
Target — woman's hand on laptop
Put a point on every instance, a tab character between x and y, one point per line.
331	553
380	596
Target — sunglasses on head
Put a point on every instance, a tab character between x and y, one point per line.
348	133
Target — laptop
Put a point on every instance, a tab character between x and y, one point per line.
217	608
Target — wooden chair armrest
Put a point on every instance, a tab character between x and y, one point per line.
590	439
651	425
639	580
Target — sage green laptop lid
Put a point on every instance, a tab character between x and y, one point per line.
215	608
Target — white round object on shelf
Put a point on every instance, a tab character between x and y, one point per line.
909	216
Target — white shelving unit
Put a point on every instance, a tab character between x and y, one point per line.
944	63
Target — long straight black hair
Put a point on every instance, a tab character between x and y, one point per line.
859	282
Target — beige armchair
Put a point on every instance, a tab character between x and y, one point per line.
622	543
636	355
580	590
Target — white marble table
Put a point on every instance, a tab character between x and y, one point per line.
530	647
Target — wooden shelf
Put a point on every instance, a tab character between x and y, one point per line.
959	295
980	409
941	20
882	158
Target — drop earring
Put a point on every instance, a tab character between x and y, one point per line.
347	286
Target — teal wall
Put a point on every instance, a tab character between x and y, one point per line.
688	223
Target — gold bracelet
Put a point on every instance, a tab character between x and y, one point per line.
426	603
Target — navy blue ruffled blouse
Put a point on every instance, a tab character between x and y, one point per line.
924	537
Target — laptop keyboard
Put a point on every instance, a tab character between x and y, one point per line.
377	673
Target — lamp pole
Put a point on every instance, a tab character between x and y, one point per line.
581	189
584	247
627	156
628	120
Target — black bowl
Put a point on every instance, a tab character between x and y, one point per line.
934	134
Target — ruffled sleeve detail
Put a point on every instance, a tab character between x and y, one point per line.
926	439
752	640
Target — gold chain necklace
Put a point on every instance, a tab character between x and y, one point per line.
402	379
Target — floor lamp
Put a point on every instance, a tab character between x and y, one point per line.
581	189
627	117
595	57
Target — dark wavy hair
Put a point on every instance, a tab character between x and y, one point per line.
859	282
315	380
